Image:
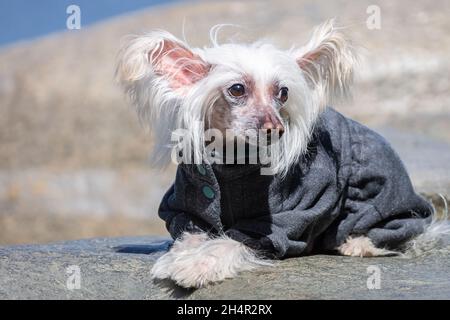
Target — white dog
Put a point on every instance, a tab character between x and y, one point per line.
335	185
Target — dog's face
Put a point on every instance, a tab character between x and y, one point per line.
236	88
254	90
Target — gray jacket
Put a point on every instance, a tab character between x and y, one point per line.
350	182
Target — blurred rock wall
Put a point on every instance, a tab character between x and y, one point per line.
71	145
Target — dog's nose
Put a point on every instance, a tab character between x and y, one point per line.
269	126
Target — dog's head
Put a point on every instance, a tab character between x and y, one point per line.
236	88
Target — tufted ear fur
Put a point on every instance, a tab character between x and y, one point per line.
160	55
328	61
158	71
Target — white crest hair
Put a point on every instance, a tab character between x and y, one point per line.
315	74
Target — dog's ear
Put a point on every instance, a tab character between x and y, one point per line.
327	60
160	55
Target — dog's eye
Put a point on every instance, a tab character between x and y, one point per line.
283	94
237	90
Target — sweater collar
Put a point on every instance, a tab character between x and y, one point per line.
219	172
233	171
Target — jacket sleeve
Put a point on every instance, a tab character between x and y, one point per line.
173	210
381	202
178	221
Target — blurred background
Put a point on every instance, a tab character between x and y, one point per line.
73	157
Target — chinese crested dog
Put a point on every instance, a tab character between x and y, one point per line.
266	168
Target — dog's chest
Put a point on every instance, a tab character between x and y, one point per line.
248	196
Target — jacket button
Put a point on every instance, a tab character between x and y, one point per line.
201	169
208	192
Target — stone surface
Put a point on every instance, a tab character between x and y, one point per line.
118	268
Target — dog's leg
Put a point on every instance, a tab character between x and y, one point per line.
196	262
362	247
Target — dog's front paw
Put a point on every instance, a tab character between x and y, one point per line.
195	270
165	265
189	268
211	261
162	267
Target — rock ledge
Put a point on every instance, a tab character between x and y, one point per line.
118	268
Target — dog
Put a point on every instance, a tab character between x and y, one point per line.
332	184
